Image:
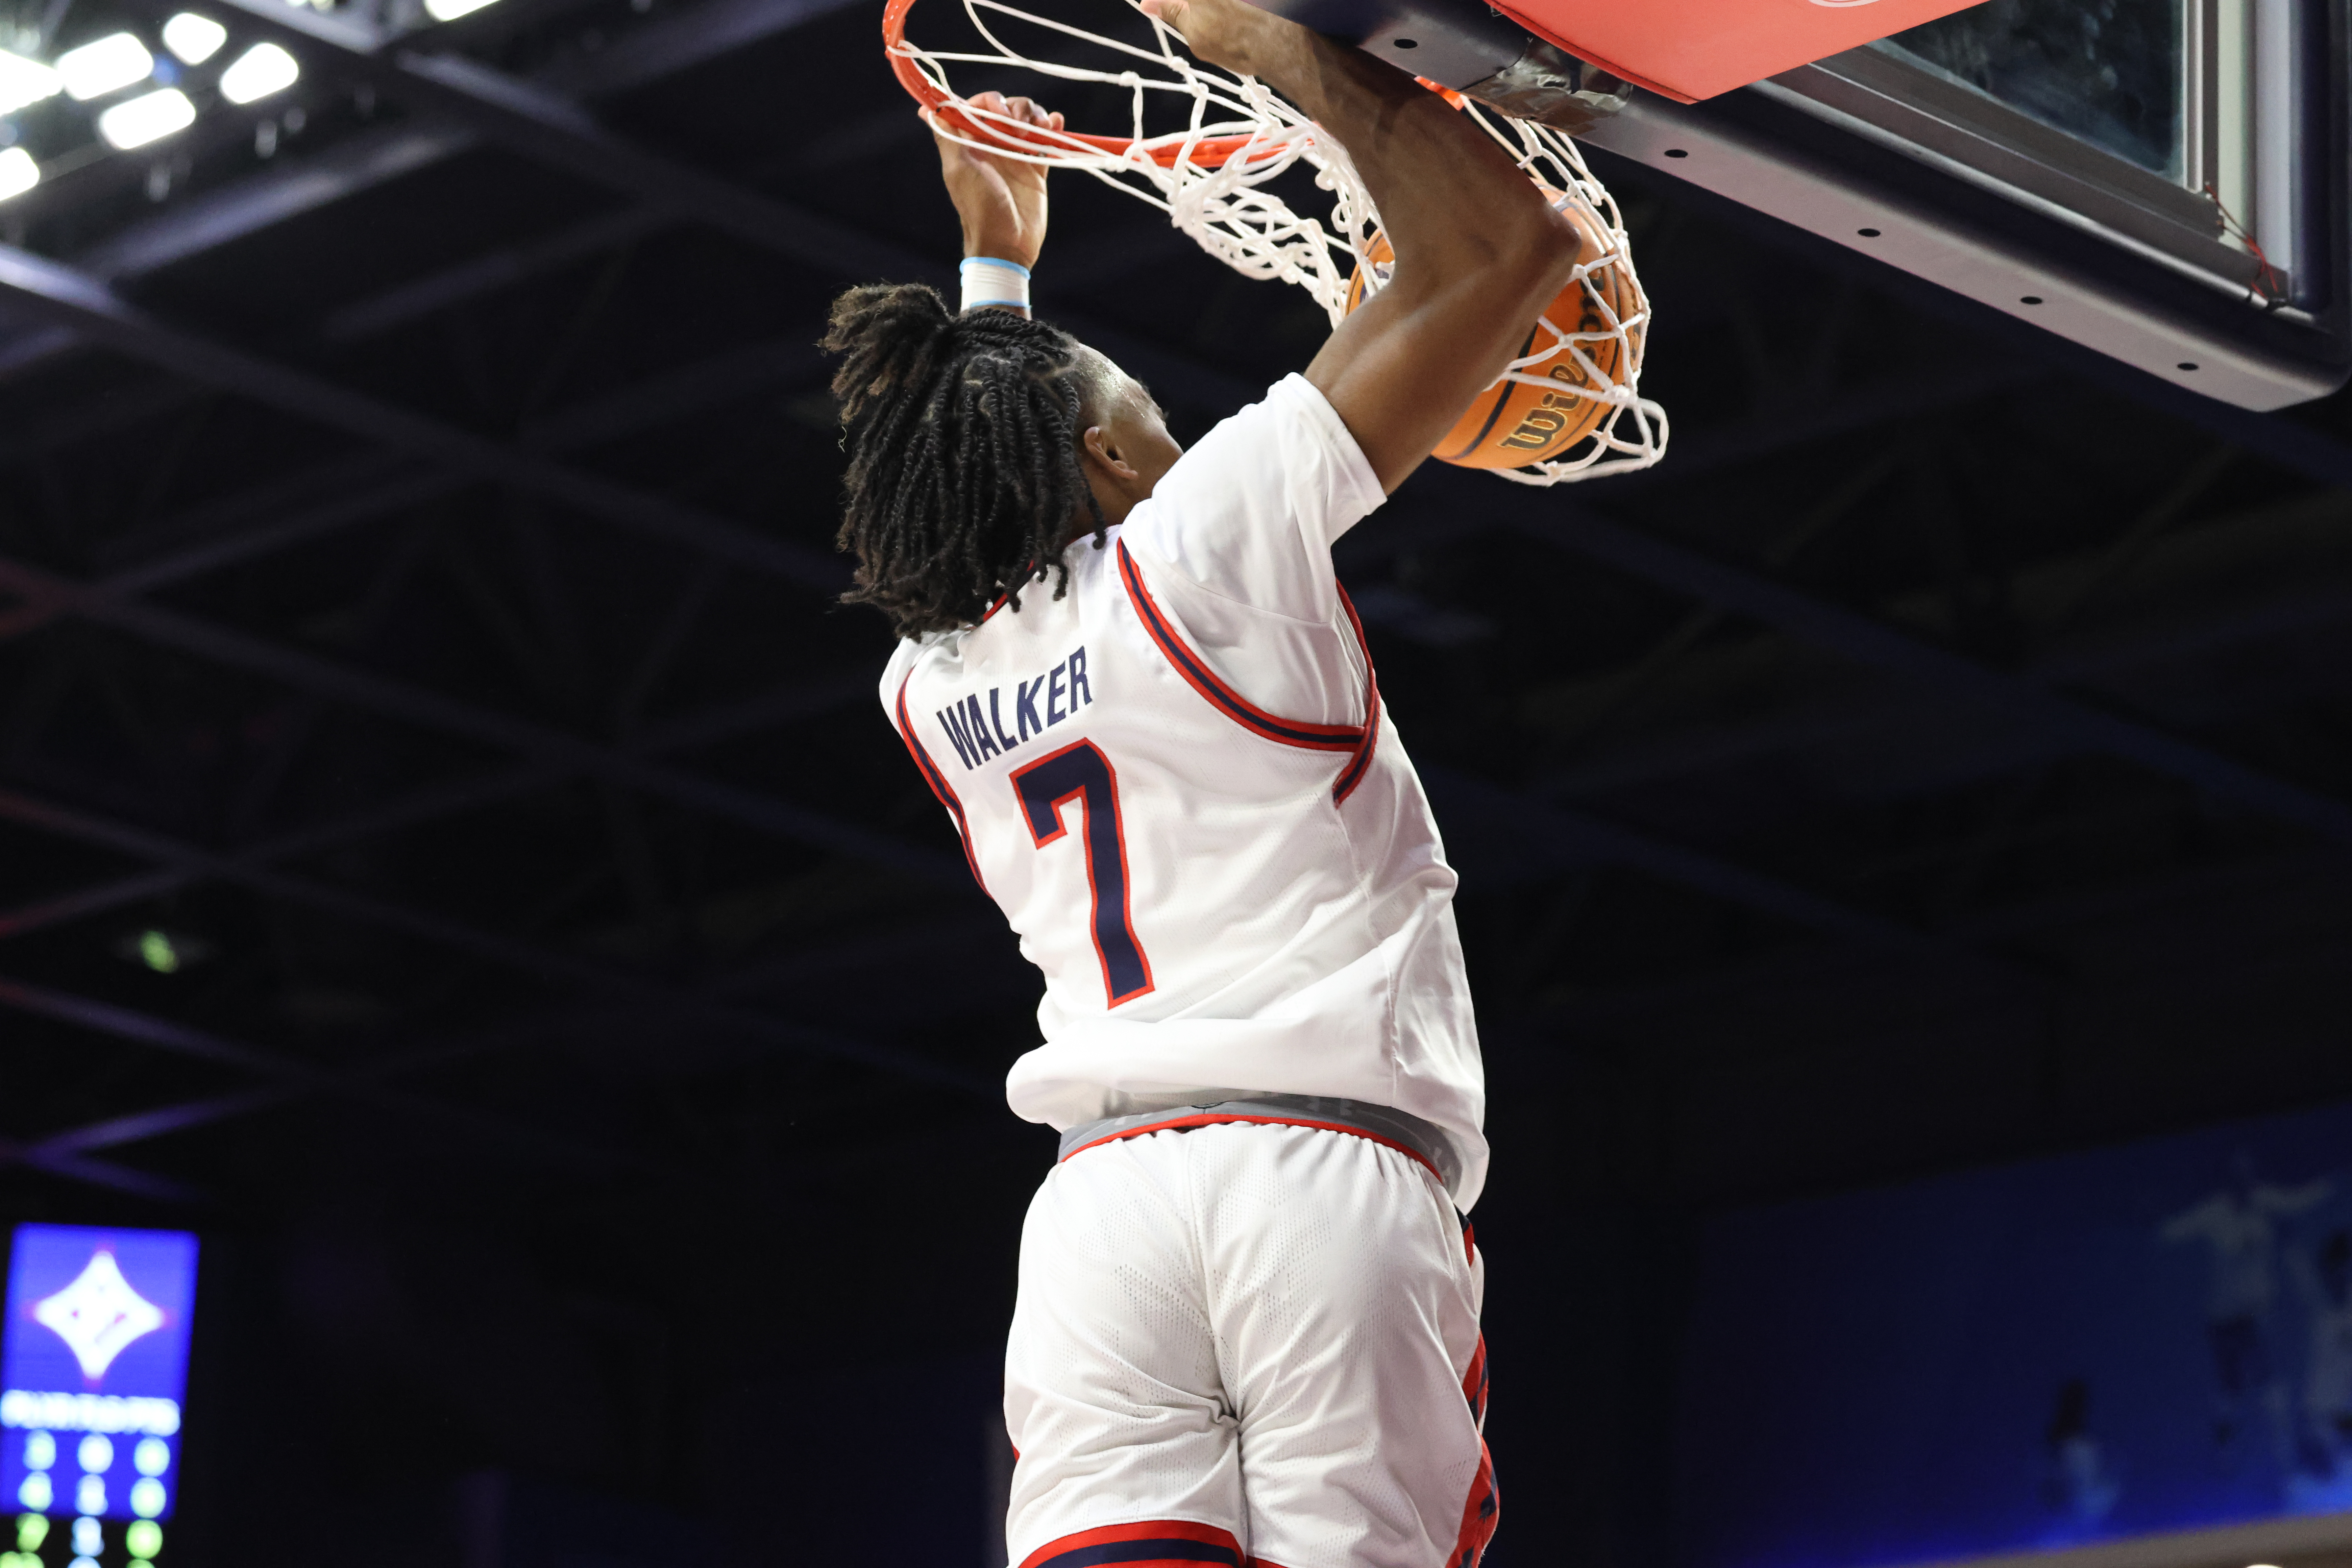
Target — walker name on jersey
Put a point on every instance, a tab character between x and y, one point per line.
977	725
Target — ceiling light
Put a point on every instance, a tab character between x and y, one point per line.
165	951
259	71
193	38
18	173
450	10
150	117
23	81
95	70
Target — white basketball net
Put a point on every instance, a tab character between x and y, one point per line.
1228	211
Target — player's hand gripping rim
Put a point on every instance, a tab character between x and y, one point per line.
999	201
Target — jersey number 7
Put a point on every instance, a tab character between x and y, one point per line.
1080	772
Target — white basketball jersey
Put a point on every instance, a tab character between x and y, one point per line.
1178	782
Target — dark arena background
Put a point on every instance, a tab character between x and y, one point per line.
452	861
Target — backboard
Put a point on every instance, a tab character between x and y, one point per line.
1693	49
2162	181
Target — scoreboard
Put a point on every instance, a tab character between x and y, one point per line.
93	1368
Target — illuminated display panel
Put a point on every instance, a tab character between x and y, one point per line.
2139	1341
93	1368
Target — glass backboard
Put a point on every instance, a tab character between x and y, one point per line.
2112	74
2163	180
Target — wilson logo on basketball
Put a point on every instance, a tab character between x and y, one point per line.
1541	426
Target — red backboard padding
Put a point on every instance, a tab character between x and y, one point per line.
1690	50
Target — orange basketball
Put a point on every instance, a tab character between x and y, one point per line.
1513	424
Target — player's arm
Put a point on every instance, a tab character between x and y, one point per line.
1479	252
999	202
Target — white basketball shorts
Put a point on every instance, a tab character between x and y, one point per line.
1248	1345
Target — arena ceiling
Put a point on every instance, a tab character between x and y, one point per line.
430	758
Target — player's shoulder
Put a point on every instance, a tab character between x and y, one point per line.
1287	461
1294	419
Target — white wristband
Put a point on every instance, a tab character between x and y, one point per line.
988	281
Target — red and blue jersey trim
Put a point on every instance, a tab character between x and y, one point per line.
1152	1543
1357	741
938	781
1204	680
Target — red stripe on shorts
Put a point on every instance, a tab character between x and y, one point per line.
1152	1543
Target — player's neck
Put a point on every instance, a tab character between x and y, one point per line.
1114	504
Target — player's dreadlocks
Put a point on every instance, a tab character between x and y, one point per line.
962	437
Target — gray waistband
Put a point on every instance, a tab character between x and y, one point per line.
1379	1121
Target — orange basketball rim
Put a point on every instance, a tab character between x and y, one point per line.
1209	152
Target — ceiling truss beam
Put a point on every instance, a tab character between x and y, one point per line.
547	964
91	308
437	803
285	512
432	710
287	1079
1643	553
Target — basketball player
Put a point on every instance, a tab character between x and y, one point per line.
2240	1224
1247	1322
